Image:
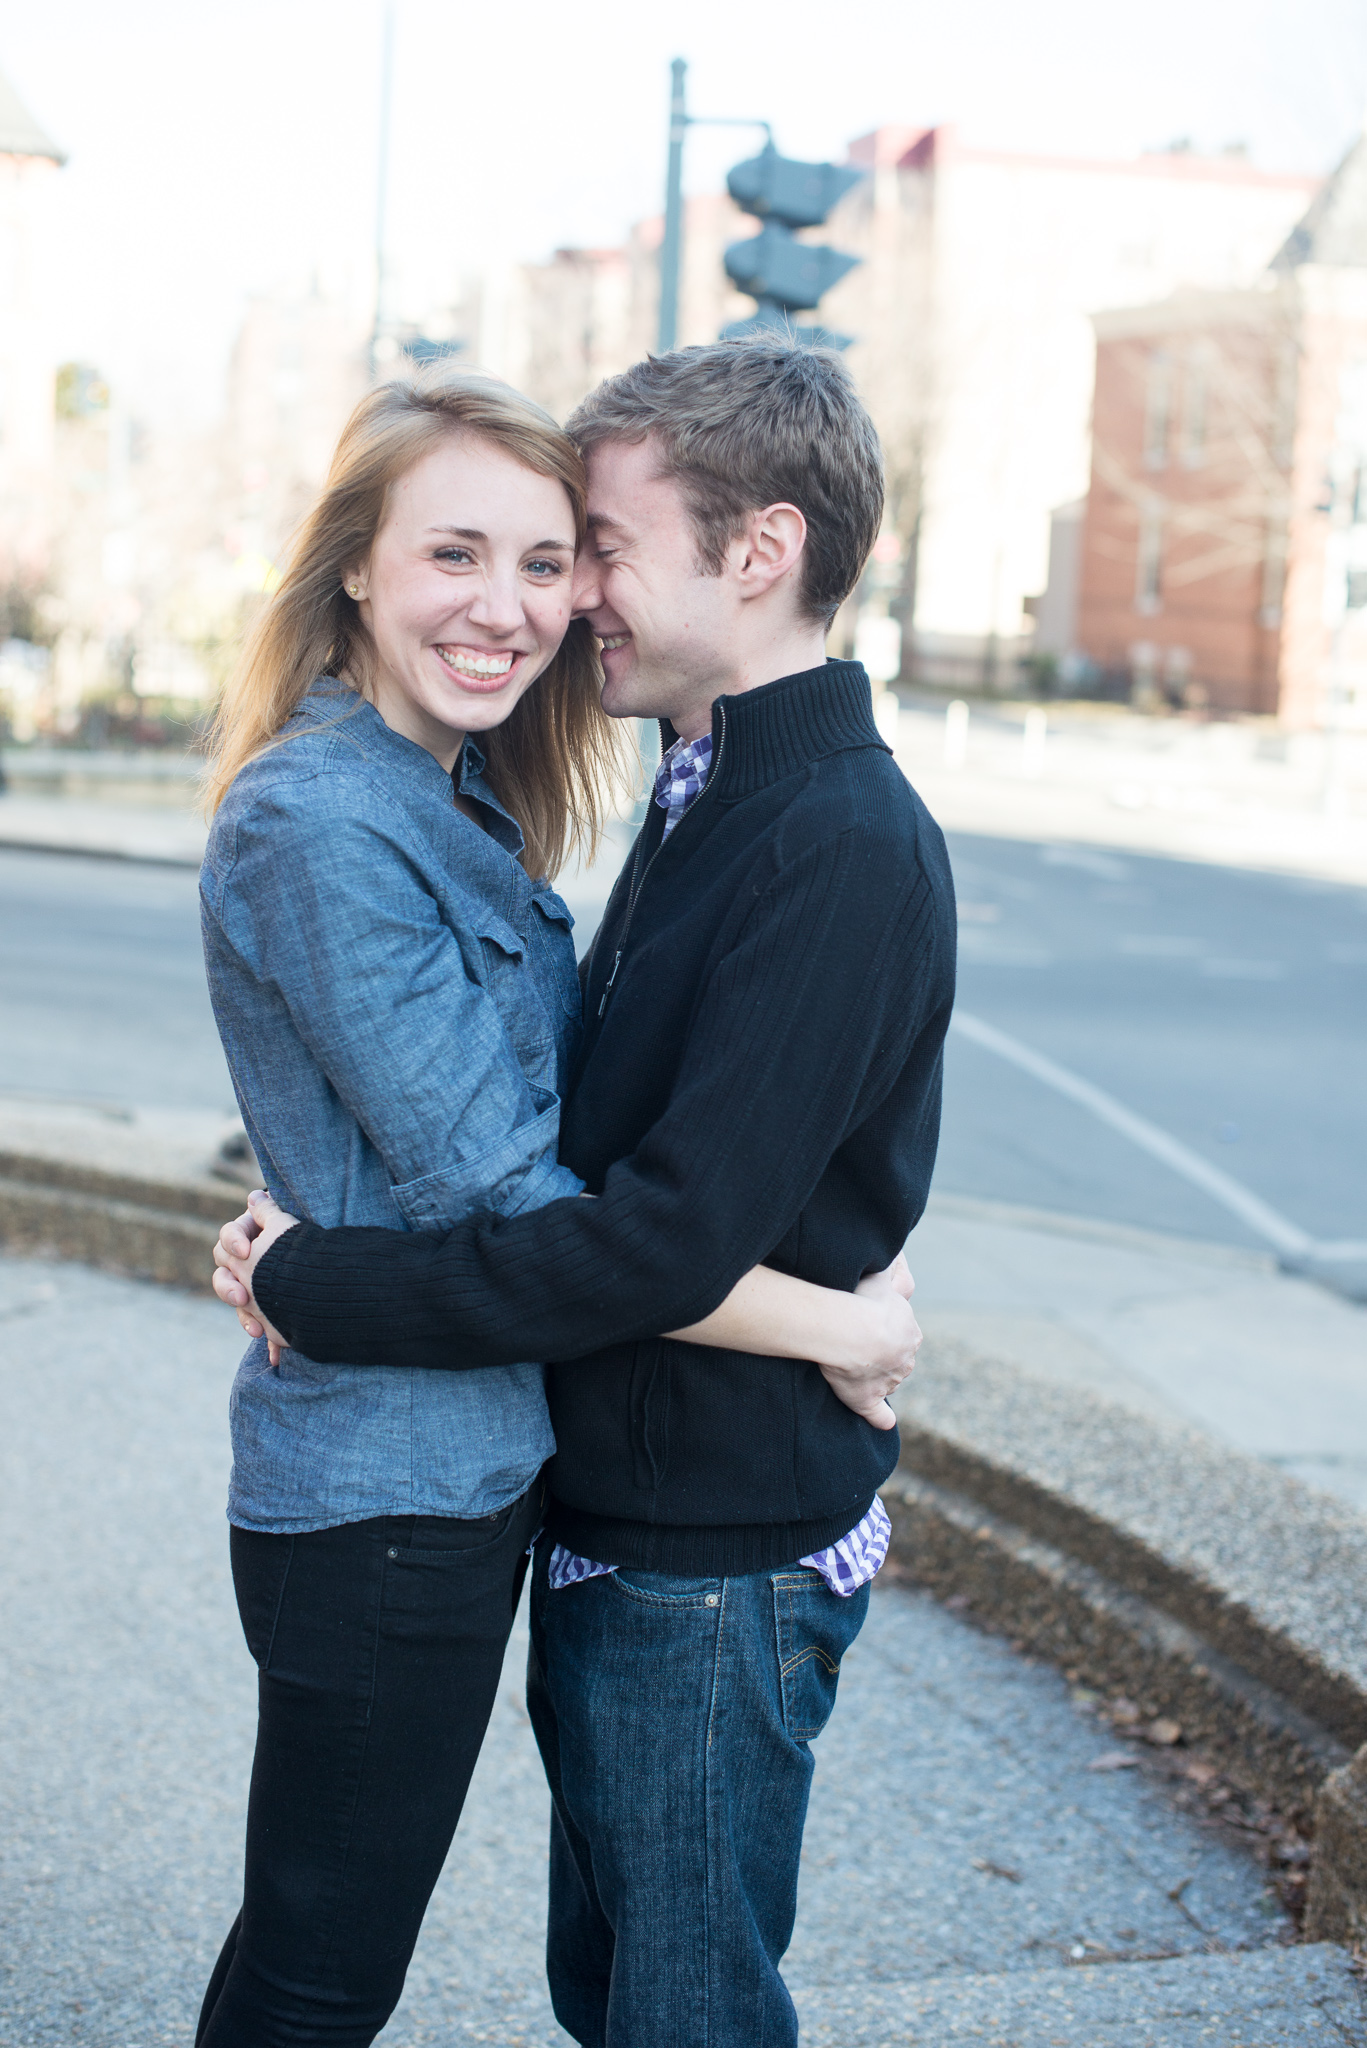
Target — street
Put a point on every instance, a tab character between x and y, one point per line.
1224	1007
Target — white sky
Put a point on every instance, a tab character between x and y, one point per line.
215	150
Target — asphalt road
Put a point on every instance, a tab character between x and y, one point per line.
1224	1007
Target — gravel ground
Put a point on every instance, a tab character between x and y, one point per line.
962	1859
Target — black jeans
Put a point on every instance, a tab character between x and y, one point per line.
379	1646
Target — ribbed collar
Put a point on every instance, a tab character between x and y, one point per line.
760	736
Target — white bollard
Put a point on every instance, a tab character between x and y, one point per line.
956	733
1032	741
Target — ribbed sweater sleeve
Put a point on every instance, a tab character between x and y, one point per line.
798	1034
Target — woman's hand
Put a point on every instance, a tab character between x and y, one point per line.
865	1342
883	1337
241	1246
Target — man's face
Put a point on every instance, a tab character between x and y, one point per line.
668	630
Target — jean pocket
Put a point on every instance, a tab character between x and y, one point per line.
668	1590
261	1565
814	1627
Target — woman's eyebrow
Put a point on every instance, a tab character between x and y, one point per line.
538	547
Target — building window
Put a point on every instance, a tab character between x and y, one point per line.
1194	391
1274	572
1157	410
1149	571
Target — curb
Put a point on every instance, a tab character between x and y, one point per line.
983	1512
151	1230
1071	1614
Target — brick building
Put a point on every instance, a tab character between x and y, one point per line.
1223	553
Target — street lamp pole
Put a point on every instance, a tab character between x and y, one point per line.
382	186
671	247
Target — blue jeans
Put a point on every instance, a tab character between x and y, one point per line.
674	1718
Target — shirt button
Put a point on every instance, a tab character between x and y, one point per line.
392	1552
711	1600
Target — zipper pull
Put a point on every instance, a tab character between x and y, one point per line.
607	986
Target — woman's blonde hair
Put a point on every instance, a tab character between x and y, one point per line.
555	759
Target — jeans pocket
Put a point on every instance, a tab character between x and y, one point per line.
261	1564
813	1627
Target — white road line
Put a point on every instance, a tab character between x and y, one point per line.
1278	1230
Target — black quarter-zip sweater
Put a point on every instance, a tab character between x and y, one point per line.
759	1080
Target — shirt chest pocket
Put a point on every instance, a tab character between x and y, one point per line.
552	933
504	965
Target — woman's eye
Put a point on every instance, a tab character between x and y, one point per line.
545	570
459	556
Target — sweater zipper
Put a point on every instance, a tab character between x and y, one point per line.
641	879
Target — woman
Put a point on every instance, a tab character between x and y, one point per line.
395	986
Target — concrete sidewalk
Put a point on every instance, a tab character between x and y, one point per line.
1205	1334
982	1863
1238	794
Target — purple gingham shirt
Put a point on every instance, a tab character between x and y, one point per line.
852	1562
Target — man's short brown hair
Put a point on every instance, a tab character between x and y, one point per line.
744	424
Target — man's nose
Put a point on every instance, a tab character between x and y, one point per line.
586	592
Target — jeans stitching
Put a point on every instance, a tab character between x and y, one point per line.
709	1789
279	1603
360	1774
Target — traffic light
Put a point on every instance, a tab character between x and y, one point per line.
784	275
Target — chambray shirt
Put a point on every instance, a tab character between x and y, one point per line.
398	1004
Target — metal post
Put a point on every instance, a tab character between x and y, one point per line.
671	248
382	185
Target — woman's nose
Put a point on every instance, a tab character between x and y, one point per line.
498	606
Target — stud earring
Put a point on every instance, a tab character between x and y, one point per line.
353	589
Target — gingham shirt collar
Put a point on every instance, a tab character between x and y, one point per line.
680	777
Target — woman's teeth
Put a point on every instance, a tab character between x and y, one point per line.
482	665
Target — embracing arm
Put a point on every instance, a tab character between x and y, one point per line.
865	1343
775	1076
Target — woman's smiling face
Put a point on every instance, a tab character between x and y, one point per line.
466	593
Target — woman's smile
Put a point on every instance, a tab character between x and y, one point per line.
479	668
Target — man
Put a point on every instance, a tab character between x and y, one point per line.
759	1081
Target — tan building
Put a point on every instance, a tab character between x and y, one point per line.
1224	548
976	348
972	342
29	161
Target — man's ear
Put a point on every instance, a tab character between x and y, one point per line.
769	548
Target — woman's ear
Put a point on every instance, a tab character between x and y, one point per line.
354	583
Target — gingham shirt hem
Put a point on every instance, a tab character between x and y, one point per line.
845	1566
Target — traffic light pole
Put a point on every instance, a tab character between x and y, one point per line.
382	190
671	247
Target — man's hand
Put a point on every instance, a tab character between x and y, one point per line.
889	1341
241	1245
